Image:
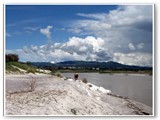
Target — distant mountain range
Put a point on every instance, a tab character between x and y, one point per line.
90	64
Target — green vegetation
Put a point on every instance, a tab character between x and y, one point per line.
12	58
77	71
74	111
58	74
31	70
23	66
53	72
11	68
94	67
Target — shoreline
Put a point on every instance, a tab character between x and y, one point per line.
123	73
94	96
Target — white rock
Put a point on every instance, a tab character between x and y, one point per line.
96	88
98	98
104	90
70	79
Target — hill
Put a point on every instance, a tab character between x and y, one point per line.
91	64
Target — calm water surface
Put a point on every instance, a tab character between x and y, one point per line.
136	87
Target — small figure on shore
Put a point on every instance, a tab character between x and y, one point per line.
76	76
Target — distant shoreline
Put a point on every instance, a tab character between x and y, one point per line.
140	73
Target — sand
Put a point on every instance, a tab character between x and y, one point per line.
60	96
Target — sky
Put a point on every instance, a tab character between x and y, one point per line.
56	33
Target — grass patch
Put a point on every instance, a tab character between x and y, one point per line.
11	68
24	66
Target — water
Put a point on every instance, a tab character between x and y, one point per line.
136	87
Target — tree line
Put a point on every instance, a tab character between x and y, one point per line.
12	58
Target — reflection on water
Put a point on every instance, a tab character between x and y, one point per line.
136	87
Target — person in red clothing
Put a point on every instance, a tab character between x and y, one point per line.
76	76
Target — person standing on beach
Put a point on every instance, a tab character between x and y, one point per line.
76	76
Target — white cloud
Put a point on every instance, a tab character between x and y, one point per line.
74	30
123	30
46	31
136	58
83	49
122	16
91	25
140	46
100	16
34	48
131	46
89	41
129	14
31	28
89	48
127	24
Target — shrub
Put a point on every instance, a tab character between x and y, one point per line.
31	84
74	111
53	72
84	80
31	70
58	74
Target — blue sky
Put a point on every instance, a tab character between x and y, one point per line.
54	33
19	17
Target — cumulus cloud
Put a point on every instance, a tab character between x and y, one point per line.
123	16
131	46
120	27
46	31
90	42
135	58
88	48
125	30
140	46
